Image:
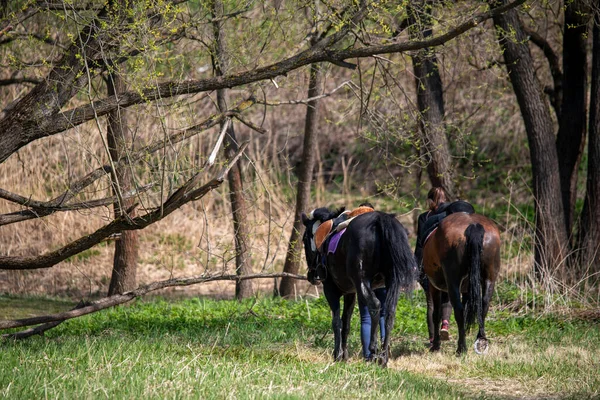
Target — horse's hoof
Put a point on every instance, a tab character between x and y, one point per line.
434	348
382	361
481	346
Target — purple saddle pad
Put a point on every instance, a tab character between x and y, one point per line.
334	241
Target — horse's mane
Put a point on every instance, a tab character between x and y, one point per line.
323	213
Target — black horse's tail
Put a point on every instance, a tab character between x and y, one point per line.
474	234
397	254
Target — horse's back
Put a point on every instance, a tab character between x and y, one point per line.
454	226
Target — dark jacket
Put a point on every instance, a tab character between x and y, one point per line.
429	220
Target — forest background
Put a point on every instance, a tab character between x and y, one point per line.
114	113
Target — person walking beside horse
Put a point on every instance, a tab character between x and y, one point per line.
438	208
461	255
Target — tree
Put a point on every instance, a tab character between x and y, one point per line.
119	142
294	253
589	236
555	165
243	254
551	235
430	101
570	140
64	91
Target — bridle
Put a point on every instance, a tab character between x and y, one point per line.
315	267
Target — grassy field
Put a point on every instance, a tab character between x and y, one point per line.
202	348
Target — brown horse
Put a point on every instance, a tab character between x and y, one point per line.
463	256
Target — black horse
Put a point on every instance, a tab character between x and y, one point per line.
373	252
463	256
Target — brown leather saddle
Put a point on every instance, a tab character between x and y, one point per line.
335	225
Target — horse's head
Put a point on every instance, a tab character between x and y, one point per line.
311	222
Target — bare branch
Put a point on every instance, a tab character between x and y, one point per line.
183	195
213	154
48	209
40	329
59	203
303	101
16	81
5	29
250	125
128	296
22	35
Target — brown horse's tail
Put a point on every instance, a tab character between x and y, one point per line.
474	234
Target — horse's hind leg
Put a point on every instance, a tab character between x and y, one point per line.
488	290
436	301
332	294
459	315
349	301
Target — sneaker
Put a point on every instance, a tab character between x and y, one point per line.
444	335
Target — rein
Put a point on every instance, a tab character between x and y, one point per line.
319	267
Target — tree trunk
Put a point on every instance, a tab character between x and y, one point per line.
243	257
590	219
551	235
294	254
430	100
118	137
570	141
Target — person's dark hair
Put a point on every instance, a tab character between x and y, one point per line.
366	204
435	197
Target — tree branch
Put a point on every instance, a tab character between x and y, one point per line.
22	35
183	195
16	81
554	64
317	53
41	209
303	101
128	296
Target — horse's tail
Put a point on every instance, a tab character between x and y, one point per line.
397	254
474	234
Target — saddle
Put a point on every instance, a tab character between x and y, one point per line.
445	209
336	225
331	231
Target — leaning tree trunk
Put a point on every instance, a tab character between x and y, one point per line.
293	257
570	141
118	137
589	237
430	100
243	258
551	235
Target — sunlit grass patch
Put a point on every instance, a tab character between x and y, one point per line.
202	348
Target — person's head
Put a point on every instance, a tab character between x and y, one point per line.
366	204
435	197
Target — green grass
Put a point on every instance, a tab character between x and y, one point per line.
201	348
